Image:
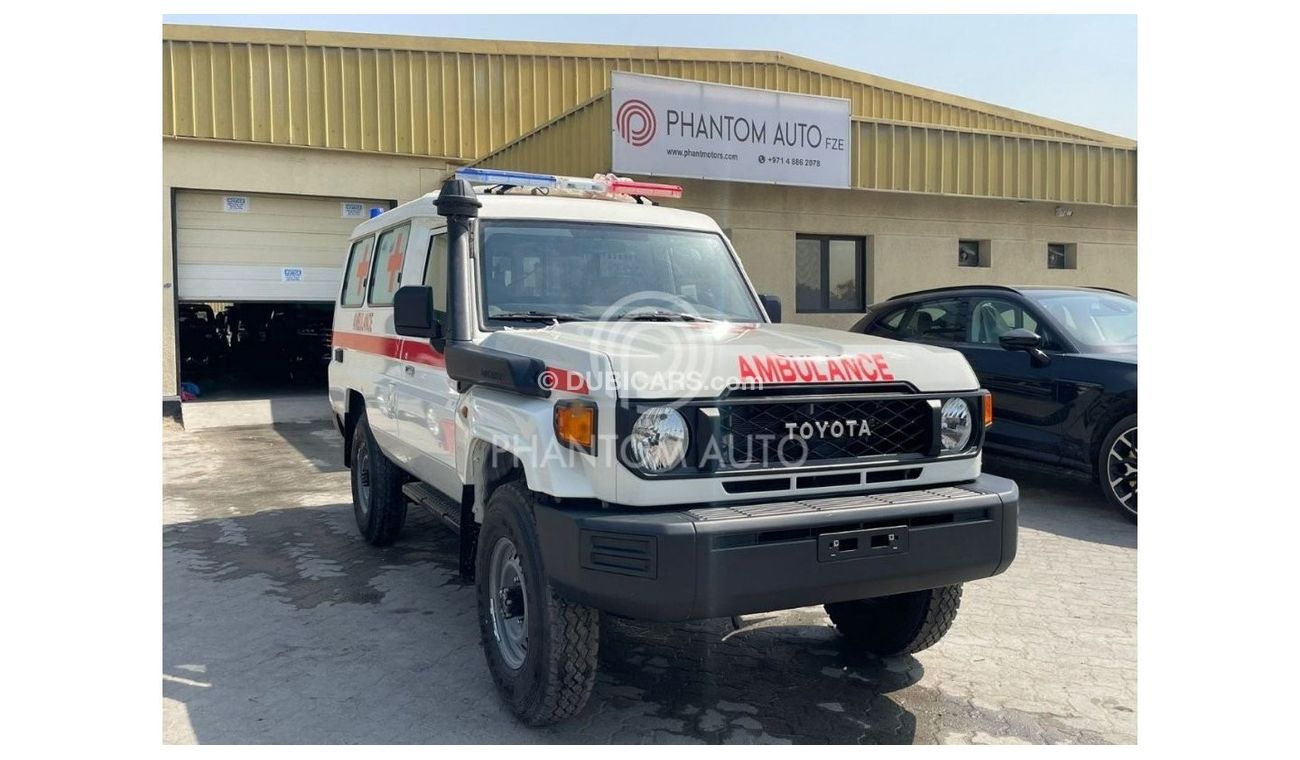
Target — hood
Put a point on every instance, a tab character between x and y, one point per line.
701	359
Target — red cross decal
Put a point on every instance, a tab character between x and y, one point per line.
363	271
395	262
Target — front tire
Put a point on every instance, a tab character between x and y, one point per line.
1117	466
377	499
540	649
900	624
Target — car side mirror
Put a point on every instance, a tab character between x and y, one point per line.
772	305
413	312
1021	339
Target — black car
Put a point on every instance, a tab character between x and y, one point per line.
1060	362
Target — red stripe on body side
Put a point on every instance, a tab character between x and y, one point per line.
414	351
565	380
421	353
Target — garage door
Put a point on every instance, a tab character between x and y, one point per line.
249	247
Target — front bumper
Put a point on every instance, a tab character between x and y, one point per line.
732	559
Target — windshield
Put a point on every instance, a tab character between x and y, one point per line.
574	270
1096	320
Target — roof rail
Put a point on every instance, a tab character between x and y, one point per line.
947	288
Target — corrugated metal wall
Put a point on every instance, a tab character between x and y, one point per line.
886	156
577	144
908	158
462	99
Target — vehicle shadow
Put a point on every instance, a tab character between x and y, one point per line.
1065	506
709	682
283	626
320	443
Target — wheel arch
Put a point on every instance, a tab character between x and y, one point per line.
1119	408
488	467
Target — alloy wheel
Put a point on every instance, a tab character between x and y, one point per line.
1122	469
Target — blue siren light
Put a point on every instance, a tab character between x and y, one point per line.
498	177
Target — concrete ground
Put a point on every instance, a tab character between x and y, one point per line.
281	625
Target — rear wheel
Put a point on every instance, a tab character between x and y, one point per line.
898	624
377	499
540	649
1118	466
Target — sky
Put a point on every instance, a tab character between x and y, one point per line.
1079	69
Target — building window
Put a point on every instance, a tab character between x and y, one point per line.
1062	256
973	253
830	273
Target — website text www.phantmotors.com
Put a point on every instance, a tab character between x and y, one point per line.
690	153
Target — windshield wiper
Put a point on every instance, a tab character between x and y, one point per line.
538	316
665	316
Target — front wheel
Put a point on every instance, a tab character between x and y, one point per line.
900	624
1118	466
541	649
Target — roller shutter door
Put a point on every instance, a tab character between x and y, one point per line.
250	247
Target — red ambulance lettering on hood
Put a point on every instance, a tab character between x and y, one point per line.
870	368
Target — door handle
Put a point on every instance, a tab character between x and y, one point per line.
409	370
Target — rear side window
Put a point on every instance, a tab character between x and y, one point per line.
891	321
943	320
389	255
358	272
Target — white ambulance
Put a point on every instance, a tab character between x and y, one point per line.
587	388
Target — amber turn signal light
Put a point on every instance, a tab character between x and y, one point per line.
988	410
575	424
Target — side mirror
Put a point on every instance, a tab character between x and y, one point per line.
1020	339
413	312
772	305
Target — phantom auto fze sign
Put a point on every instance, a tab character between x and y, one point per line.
678	128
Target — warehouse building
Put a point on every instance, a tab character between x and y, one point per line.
838	188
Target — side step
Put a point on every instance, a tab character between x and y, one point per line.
442	507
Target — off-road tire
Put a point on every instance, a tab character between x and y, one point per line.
900	624
1123	427
380	514
559	666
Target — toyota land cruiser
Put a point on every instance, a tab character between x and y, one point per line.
588	389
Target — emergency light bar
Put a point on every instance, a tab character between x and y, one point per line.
601	184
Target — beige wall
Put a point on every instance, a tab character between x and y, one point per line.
912	239
208	165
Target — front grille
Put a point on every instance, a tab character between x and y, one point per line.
759	434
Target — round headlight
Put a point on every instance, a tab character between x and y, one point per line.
955	424
658	440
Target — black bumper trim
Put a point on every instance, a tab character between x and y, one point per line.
720	560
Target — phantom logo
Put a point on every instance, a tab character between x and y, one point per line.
635	122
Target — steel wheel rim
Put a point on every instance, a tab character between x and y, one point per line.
509	603
363	479
1122	469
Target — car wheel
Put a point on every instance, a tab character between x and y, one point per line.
540	649
377	499
1117	468
899	624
